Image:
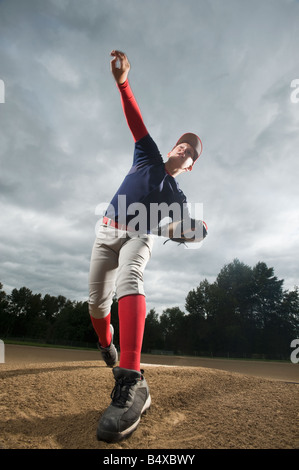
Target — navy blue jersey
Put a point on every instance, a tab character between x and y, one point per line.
147	183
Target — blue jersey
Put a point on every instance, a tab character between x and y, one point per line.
146	183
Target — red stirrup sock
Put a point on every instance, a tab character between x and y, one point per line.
102	329
131	314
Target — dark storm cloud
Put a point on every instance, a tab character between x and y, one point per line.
222	71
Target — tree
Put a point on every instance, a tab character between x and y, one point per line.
25	307
268	294
51	306
6	320
173	327
72	324
244	310
152	338
289	310
197	327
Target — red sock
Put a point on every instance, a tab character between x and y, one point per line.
102	329
131	314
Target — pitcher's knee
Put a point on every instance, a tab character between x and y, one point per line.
128	284
98	311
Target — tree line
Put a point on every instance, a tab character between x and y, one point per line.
245	312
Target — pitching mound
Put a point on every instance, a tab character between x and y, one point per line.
58	405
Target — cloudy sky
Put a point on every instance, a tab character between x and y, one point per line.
221	69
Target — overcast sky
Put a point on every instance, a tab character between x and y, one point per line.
221	69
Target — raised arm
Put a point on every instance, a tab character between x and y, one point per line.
120	68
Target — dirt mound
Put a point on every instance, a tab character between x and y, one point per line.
58	405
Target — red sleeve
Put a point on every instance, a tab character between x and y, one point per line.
132	111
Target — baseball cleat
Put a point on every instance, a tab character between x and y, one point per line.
130	399
109	354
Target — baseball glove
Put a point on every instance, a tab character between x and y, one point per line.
196	234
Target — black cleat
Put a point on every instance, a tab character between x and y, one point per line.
130	399
109	354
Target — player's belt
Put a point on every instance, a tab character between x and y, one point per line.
112	223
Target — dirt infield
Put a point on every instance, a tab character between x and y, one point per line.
52	399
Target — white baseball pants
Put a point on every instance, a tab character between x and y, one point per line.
117	265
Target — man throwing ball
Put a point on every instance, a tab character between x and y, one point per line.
121	253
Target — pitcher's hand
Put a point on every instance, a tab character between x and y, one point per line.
120	66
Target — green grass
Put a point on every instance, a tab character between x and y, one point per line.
82	348
46	345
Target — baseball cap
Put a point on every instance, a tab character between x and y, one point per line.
193	140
